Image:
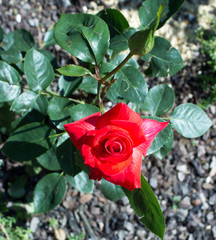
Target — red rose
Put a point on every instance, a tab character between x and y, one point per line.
112	144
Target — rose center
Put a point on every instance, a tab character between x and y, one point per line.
114	147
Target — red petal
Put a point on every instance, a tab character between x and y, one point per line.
120	112
78	129
130	177
150	129
95	174
135	131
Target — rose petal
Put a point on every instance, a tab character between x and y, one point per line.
95	174
120	112
150	129
77	130
130	177
135	131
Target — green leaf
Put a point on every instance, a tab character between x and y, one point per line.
51	58
12	55
9	74
49	192
29	142
190	120
49	39
66	157
8	41
117	24
148	11
89	85
130	85
28	101
161	138
160	100
111	191
58	111
23	40
1	34
82	110
39	72
8	92
165	149
67	85
17	188
6	116
84	36
74	71
164	59
49	160
146	206
81	182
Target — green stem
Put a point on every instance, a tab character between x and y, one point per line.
100	101
117	68
58	134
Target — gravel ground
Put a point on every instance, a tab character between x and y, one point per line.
184	181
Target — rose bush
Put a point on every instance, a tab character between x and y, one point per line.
112	144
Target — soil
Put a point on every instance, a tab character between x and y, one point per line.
184	181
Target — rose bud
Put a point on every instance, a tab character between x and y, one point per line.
112	144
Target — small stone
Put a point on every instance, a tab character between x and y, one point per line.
190	237
213	162
213	109
153	182
95	210
214	231
18	18
185	202
212	199
33	22
141	233
70	204
208	186
201	151
59	234
182	214
85	198
129	226
210	216
34	224
181	176
182	168
196	202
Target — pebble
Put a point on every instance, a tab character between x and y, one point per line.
214	232
59	234
210	216
212	199
185	202
181	176
207	186
18	18
85	198
182	214
153	182
182	168
201	150
213	162
33	22
34	224
196	202
129	226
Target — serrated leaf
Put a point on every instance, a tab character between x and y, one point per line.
12	55
81	182
39	72
80	111
8	92
9	74
165	149
117	24
49	159
1	34
65	155
67	85
58	111
49	192
190	120
28	101
89	85
49	39
84	36
29	142
74	71
111	191
148	11
6	116
146	206
160	100
164	59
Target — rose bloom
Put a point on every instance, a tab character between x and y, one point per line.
112	144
